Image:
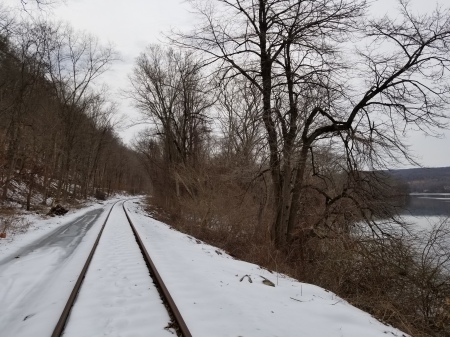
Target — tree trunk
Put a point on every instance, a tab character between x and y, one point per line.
30	191
12	155
298	183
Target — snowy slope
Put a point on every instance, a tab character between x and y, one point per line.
217	299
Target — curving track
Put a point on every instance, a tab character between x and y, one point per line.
121	286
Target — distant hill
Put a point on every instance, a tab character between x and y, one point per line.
425	180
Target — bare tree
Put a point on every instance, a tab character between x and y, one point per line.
40	4
240	109
314	92
169	90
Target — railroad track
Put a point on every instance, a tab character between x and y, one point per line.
177	323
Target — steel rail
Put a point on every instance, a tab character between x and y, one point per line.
59	328
159	281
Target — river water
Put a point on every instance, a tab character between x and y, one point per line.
433	204
429	216
424	211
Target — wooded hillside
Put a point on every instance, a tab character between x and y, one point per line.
57	134
425	180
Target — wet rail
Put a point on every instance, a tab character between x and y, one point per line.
178	322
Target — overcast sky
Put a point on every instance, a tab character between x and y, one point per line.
130	25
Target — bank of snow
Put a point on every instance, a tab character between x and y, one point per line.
42	225
220	296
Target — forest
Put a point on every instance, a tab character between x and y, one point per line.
57	131
272	125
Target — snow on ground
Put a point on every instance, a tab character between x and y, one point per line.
38	270
118	297
219	296
41	226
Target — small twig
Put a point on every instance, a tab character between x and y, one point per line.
249	278
295	299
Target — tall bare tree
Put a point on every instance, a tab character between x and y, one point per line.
315	92
169	90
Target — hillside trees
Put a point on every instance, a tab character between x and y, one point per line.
73	62
57	131
22	72
315	93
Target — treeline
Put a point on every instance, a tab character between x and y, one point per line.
57	133
425	180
